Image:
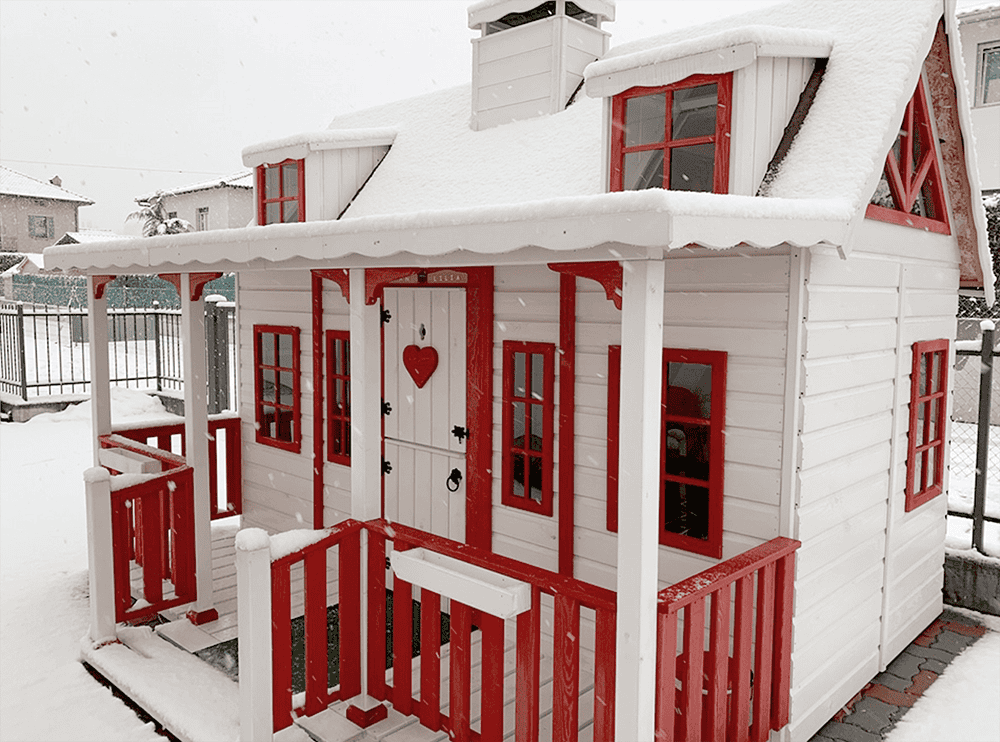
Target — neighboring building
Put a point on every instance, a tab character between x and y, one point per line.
617	321
224	203
979	30
33	212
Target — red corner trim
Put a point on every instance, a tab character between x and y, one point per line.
607	273
365	719
479	403
567	432
202	617
339	276
318	421
99	283
198	281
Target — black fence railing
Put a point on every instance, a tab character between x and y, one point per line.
973	416
44	350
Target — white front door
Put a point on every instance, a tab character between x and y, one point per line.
424	368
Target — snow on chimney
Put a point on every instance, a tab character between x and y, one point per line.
56	181
530	56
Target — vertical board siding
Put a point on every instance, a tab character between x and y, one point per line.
862	556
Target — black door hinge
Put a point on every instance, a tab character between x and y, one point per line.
386	467
459	432
386	408
386	316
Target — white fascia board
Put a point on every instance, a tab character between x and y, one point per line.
297	146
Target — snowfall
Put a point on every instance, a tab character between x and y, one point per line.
47	695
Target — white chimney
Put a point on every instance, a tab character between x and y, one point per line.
530	57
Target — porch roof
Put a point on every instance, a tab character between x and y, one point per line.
635	224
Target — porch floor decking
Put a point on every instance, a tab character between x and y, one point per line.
396	728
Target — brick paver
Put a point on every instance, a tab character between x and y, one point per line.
870	715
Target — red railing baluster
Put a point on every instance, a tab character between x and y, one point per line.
349	588
461	667
152	541
692	681
491	698
182	499
718	668
761	724
781	682
402	645
666	675
739	721
528	661
120	546
376	616
604	676
281	644
430	659
566	670
314	580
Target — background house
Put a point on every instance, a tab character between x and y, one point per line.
979	30
33	212
213	204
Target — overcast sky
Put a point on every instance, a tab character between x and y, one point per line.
123	98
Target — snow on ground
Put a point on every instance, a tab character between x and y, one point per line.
963	704
962	484
45	693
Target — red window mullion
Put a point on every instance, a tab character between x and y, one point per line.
930	358
281	411
281	199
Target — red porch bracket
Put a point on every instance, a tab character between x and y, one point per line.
198	281
377	279
100	282
339	276
607	273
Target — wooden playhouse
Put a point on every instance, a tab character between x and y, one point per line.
631	360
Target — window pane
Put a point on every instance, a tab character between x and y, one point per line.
685	510
537	418
271	184
692	168
537	376
267	387
519	388
535	478
269	424
687	451
272	213
519	419
291	211
285	359
517	474
286	425
290	180
689	390
991	76
287	390
693	112
643	170
267	348
645	119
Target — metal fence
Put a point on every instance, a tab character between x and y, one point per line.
44	350
975	465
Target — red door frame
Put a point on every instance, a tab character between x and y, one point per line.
479	387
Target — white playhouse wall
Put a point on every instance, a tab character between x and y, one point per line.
869	575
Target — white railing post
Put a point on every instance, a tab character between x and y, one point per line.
100	370
100	555
253	596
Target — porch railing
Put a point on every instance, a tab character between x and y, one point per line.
152	523
224	441
704	693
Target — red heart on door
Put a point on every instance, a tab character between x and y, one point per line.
420	363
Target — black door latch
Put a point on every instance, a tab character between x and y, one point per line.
454	480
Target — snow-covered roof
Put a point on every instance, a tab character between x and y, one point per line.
979	12
13	183
298	146
441	177
86	236
242	179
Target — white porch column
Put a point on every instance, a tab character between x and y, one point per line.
196	443
253	598
366	444
638	499
100	373
100	555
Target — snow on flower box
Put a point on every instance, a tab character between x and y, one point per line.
474	586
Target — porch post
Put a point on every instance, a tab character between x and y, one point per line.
100	555
366	458
253	597
638	498
196	444
100	372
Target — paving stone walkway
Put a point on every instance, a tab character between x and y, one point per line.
870	715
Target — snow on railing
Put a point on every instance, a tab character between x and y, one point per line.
714	699
228	444
569	596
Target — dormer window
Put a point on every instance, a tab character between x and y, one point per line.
281	194
674	136
911	192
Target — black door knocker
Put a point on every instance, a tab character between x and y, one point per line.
455	478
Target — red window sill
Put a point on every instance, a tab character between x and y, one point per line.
892	216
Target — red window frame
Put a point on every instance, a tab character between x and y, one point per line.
720	139
716	424
917	171
299	197
338	397
287	417
928	402
538	458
